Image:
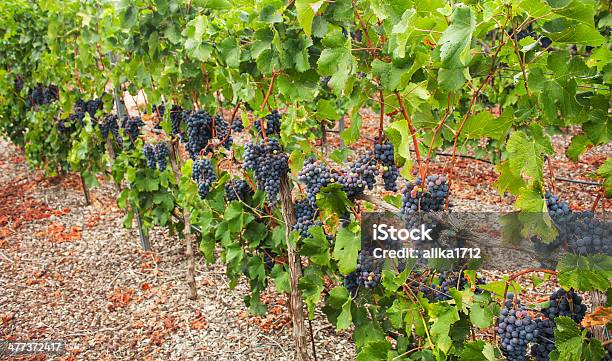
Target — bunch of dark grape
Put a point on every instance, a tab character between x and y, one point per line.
545	342
237	189
131	126
158	110
64	128
360	175
384	154
110	125
315	176
149	153
222	131
51	93
271	122
92	106
565	303
176	117
588	235
237	125
417	198
18	83
199	132
269	164
446	281
161	155
516	329
368	270
350	283
561	215
305	214
36	95
556	207
204	175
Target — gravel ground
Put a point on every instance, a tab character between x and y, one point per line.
78	276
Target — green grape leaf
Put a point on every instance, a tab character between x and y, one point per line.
281	279
336	61
346	247
306	10
316	247
401	32
311	284
585	273
376	350
456	39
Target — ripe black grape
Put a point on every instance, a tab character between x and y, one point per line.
204	175
269	164
360	176
222	132
176	118
18	83
516	329
110	125
315	176
92	107
416	198
384	154
271	122
199	132
161	155
305	214
131	126
565	303
545	342
237	125
237	189
149	153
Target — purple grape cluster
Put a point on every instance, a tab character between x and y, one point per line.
305	214
384	154
237	125
237	189
161	155
131	127
360	176
42	95
271	122
176	118
204	175
315	176
269	164
516	329
149	152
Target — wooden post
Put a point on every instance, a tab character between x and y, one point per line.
121	112
85	190
175	161
295	272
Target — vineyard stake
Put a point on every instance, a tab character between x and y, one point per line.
176	169
85	190
295	272
122	112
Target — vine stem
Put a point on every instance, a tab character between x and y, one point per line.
381	122
365	30
263	105
435	134
552	174
469	111
523	272
412	133
295	272
174	161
